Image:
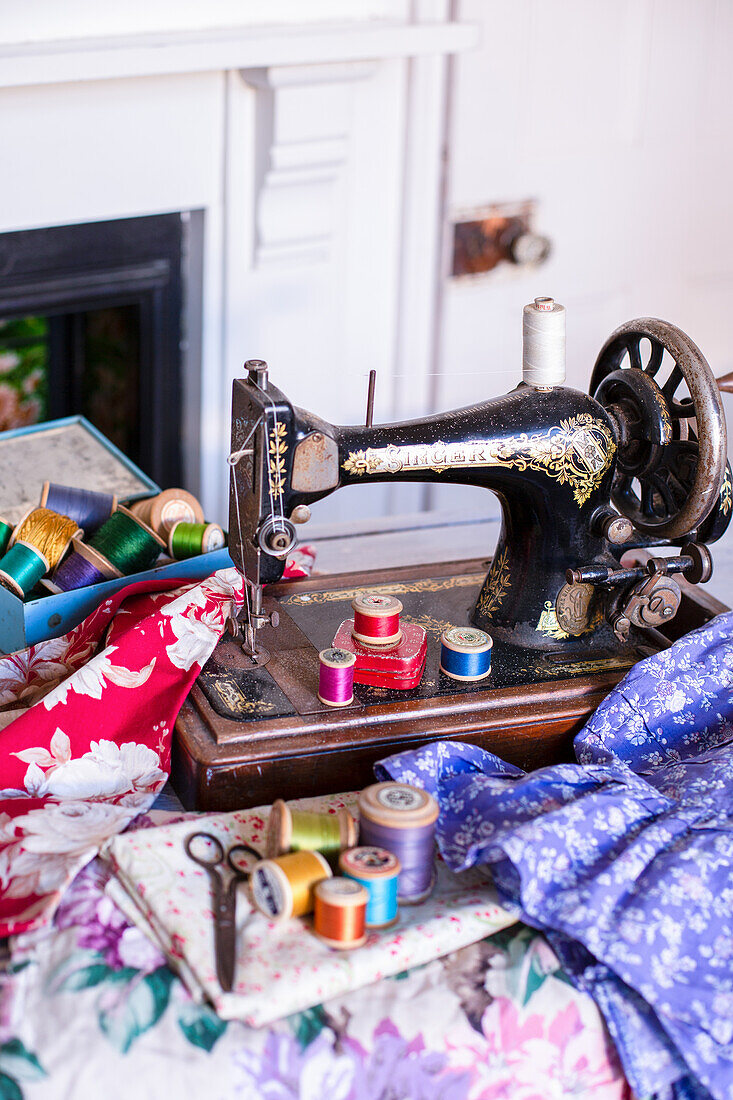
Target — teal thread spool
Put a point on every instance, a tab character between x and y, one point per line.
21	568
6	530
127	543
378	870
188	540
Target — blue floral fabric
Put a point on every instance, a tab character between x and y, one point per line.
625	859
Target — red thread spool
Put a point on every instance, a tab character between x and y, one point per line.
336	677
376	619
339	914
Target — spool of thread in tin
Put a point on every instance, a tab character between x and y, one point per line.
339	913
21	568
336	677
402	819
378	871
6	531
290	830
188	540
162	511
465	653
283	887
46	531
84	566
127	543
376	619
89	509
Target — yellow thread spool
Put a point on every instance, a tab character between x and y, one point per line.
48	532
283	887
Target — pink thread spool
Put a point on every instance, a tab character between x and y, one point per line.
336	677
376	619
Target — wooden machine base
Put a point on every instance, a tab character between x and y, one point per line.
245	736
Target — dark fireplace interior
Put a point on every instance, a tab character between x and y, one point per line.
91	323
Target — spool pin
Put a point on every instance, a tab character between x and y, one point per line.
402	819
376	619
296	830
283	887
339	913
465	653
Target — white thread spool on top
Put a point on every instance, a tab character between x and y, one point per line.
543	344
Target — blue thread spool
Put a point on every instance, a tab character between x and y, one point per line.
402	819
89	509
378	870
465	653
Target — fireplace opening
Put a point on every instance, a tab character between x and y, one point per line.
91	323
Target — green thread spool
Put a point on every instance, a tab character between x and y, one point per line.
291	830
6	530
127	543
22	568
188	540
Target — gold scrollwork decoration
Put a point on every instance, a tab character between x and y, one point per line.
548	624
577	451
395	588
277	449
496	585
726	493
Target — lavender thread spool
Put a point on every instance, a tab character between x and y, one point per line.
336	677
89	509
402	819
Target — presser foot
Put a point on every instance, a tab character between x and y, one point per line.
255	655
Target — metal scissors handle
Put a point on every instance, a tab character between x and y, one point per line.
225	898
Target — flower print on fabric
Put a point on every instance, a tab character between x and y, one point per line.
94	750
626	859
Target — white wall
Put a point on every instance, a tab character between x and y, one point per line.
618	119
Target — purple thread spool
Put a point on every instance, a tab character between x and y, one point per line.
336	677
402	819
76	572
89	509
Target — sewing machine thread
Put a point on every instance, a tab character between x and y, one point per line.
21	568
465	653
291	830
88	509
543	343
339	913
378	871
162	511
336	677
283	887
402	819
127	543
47	532
376	619
187	540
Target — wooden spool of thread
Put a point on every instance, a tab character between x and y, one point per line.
21	568
171	506
378	872
89	509
6	533
402	819
48	532
465	653
291	830
84	566
126	543
339	913
336	677
188	540
376	619
283	887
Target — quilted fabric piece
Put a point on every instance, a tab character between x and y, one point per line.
624	859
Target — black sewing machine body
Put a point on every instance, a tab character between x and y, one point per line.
580	480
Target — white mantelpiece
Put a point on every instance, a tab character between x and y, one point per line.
314	152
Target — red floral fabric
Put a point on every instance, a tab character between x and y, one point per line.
93	748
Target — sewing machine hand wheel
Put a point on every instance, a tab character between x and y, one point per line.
657	386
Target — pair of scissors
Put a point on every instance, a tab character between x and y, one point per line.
207	851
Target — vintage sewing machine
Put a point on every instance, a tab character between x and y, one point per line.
638	466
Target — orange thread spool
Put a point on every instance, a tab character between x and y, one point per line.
339	916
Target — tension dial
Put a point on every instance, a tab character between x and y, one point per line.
659	390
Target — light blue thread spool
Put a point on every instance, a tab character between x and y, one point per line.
465	653
378	870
